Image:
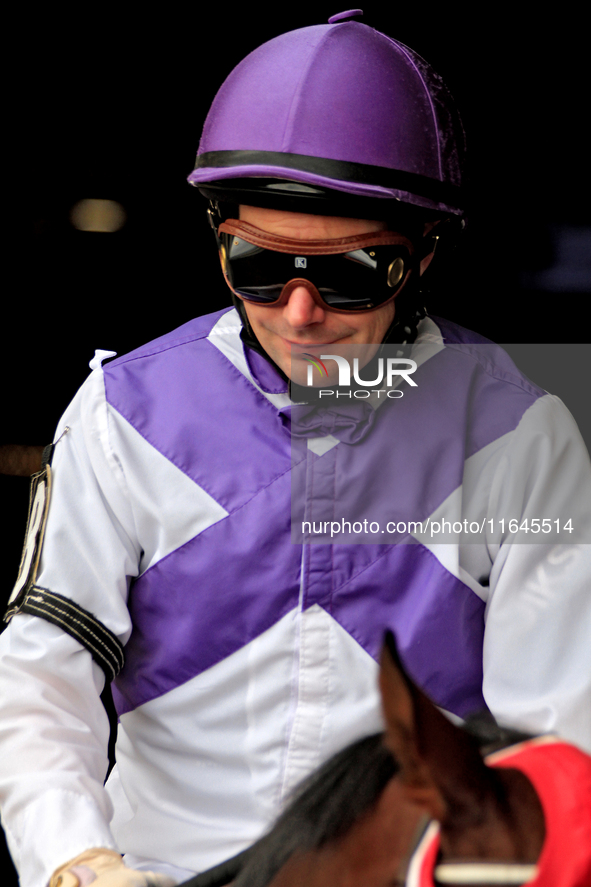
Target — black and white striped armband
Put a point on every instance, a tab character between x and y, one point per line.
27	597
104	646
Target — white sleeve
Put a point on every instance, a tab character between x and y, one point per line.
537	644
53	727
53	736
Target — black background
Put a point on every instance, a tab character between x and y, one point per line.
108	102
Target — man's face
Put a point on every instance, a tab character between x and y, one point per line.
301	323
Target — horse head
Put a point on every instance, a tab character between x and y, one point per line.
491	825
429	802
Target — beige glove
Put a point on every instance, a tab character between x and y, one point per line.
104	868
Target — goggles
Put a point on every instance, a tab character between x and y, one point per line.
356	273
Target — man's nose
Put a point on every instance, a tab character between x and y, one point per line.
301	309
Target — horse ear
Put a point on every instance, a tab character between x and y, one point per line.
438	760
399	708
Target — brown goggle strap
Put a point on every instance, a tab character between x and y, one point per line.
297	247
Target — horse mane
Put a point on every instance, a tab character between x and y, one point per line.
323	808
329	802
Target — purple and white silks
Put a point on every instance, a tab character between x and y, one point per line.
243	573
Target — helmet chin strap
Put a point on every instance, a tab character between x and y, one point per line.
249	338
409	313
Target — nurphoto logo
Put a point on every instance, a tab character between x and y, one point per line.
351	372
395	366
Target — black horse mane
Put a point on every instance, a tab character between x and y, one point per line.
327	804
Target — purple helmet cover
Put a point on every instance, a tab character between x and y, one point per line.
341	93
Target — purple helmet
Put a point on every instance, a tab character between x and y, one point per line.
336	119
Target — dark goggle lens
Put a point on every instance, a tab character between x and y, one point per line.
357	280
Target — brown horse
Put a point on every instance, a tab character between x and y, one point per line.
522	816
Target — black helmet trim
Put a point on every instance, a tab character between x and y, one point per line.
338	170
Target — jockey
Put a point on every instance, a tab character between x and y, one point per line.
230	557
